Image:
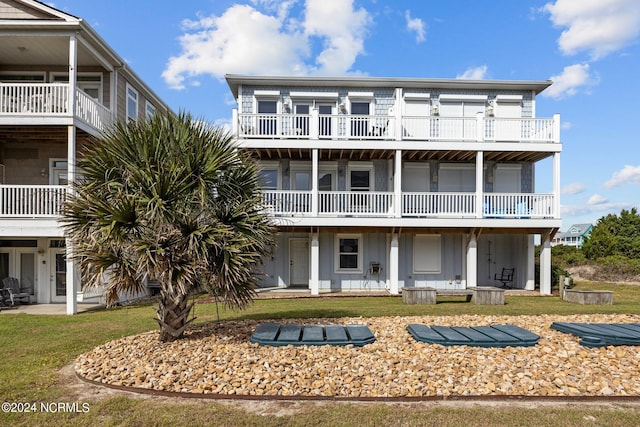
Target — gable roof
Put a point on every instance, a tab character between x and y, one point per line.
575	230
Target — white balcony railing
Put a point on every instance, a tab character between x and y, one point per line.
45	201
357	203
518	205
31	201
315	126
34	98
383	127
51	99
91	112
438	204
288	203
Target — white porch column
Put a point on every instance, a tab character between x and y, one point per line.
314	280
72	284
472	261
397	184
556	185
314	182
479	183
479	127
235	129
393	265
530	283
545	264
398	114
314	125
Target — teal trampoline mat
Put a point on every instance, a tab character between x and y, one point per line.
475	336
276	334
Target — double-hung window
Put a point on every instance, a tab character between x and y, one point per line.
348	253
132	103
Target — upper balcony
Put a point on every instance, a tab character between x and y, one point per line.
315	126
48	103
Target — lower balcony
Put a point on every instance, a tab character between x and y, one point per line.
45	201
288	203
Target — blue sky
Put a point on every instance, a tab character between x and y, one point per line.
589	48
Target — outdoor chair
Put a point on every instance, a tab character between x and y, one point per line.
506	277
11	287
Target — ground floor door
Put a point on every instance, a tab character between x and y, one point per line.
58	265
299	262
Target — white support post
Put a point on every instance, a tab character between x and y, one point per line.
479	127
545	264
314	182
393	265
398	114
72	284
397	184
530	283
314	279
556	185
73	74
479	183
234	123
472	261
556	128
314	126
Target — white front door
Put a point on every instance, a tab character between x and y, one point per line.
58	266
298	262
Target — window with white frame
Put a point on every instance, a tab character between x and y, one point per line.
360	177
150	110
270	175
427	250
348	253
132	103
89	83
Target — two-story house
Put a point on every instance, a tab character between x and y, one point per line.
61	84
387	183
574	236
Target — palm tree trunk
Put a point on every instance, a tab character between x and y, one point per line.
173	315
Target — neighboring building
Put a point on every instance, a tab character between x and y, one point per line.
574	236
386	183
60	86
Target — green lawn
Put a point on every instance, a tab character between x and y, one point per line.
34	348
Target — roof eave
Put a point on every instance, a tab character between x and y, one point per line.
234	80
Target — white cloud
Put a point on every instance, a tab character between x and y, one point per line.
569	81
599	208
342	30
596	200
566	125
573	188
474	73
417	25
599	27
627	175
245	40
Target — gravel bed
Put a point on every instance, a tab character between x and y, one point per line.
217	358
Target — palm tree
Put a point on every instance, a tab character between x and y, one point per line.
169	199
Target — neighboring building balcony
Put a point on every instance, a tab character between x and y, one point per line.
31	201
289	203
48	103
393	127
